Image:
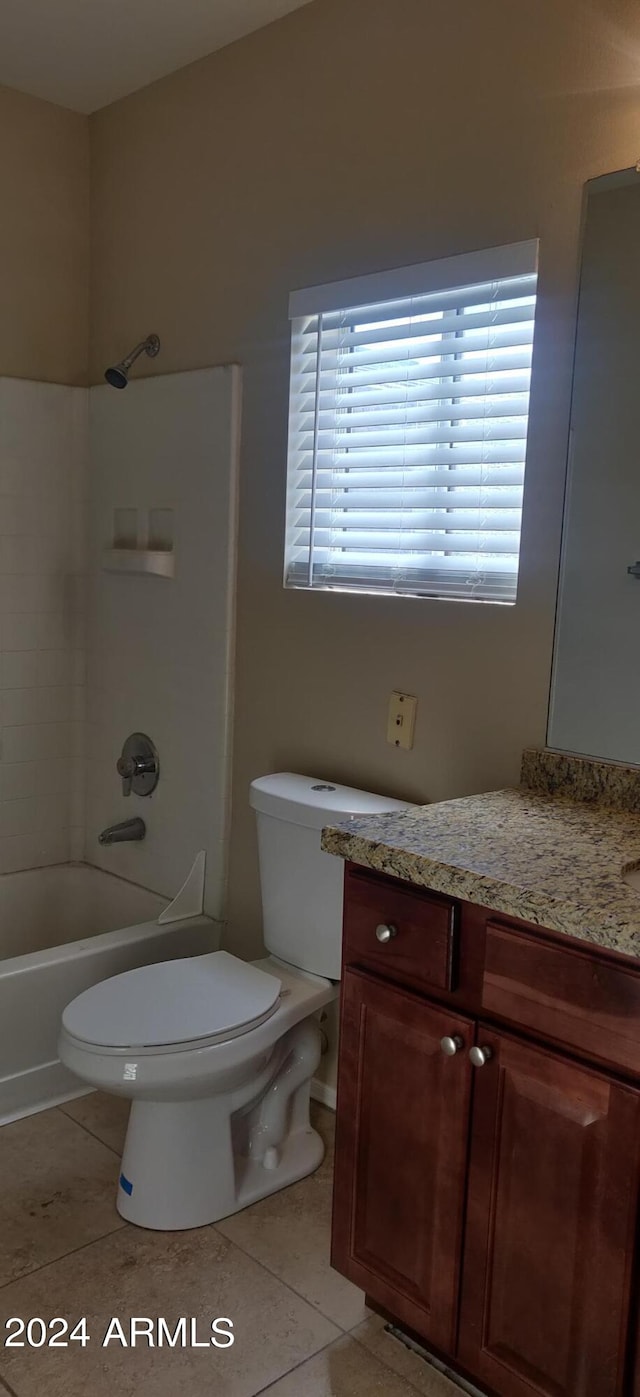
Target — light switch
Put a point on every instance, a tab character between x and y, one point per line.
402	720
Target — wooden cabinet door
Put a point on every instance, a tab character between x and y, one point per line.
401	1152
555	1156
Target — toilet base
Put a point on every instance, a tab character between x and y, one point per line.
167	1210
192	1162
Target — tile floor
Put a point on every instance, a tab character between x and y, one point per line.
300	1329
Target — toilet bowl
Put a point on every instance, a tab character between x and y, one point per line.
220	1099
216	1054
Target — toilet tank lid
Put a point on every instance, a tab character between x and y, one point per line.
315	802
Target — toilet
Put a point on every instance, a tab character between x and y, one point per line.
216	1054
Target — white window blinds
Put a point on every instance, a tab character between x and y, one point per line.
408	425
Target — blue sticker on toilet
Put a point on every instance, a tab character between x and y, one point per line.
126	1185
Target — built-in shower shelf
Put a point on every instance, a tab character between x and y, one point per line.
155	562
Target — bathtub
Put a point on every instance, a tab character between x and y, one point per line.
61	930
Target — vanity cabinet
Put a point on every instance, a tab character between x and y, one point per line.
404	1110
487	1200
551	1208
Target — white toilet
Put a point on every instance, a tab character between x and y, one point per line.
217	1055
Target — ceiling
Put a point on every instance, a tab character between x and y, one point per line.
84	54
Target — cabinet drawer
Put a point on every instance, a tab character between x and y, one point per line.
585	1002
422	947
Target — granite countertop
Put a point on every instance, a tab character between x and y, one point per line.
547	859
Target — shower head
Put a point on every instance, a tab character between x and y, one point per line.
118	374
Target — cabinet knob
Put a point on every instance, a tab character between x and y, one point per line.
480	1056
451	1046
386	932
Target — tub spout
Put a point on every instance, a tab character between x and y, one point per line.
122	833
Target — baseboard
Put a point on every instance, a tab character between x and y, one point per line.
324	1094
37	1089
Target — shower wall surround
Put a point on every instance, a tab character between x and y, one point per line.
43	454
158	650
159	655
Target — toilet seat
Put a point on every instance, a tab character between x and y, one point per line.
173	1003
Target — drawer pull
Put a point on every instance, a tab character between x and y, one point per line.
480	1056
451	1046
386	932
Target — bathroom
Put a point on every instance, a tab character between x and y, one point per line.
184	173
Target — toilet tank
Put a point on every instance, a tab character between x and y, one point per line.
302	886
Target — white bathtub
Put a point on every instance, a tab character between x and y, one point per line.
61	930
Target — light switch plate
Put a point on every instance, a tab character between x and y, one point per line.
401	721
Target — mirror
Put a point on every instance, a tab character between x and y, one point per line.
595	692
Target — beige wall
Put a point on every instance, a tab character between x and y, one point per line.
44	240
355	135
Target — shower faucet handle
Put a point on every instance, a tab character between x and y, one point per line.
128	767
138	765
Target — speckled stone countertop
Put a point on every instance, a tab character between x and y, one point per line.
550	860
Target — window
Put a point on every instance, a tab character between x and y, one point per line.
408	420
